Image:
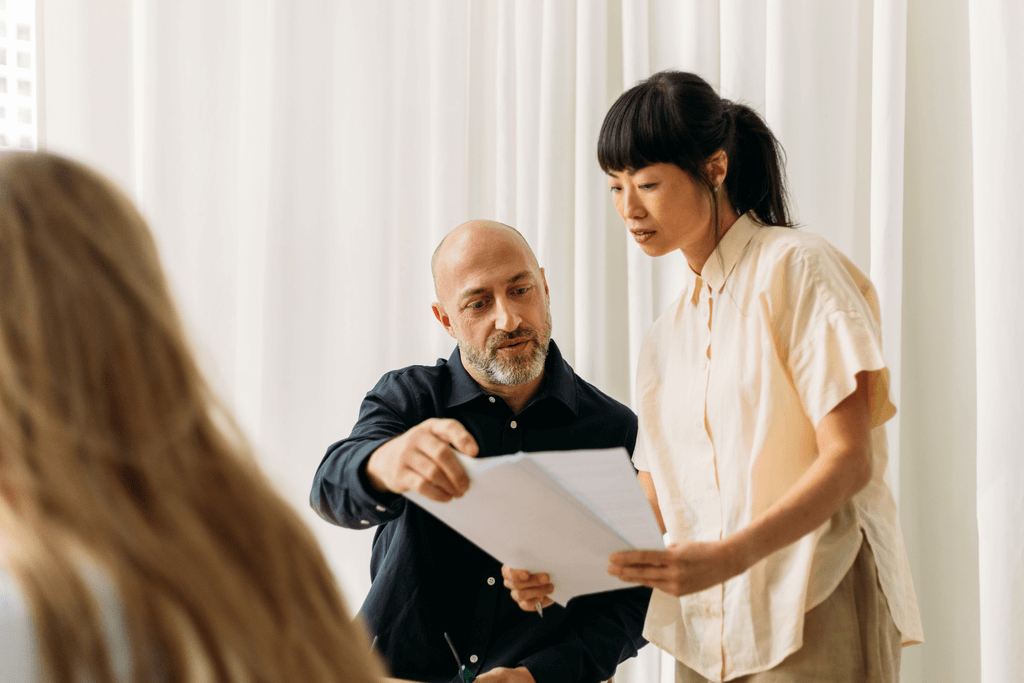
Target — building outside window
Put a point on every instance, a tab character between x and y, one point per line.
19	55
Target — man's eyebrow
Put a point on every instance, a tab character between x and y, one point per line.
471	292
522	275
519	276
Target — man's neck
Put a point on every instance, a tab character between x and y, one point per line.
516	396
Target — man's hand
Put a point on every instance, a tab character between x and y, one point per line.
528	589
423	460
503	675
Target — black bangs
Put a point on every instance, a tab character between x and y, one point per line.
675	117
640	129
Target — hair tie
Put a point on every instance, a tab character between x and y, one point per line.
729	110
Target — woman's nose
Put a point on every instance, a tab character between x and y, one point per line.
632	207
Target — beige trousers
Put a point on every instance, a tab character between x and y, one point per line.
849	638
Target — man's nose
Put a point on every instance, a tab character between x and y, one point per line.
632	207
507	319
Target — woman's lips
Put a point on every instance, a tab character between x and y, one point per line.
642	236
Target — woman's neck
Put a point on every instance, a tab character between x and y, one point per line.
698	254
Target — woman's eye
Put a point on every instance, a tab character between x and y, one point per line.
647	186
614	189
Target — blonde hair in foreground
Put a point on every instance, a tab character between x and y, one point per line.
115	453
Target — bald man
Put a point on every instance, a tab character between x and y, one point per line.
504	389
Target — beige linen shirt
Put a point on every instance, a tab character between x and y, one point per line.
733	378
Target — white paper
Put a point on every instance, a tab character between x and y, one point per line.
607	481
560	513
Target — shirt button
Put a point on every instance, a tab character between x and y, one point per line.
473	659
491	399
513	424
381	508
364	522
490	580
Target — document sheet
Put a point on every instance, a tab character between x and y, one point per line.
557	512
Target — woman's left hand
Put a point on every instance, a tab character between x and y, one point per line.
681	569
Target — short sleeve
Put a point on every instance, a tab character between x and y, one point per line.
826	318
826	362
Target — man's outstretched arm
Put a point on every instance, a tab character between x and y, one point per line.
390	451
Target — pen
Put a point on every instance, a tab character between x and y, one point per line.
540	610
464	673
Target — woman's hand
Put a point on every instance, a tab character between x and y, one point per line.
528	589
842	468
681	569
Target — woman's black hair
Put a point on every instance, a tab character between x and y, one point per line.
676	117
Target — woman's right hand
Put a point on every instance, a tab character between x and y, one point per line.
528	590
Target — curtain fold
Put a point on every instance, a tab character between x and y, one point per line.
997	98
590	234
636	65
554	176
299	162
888	115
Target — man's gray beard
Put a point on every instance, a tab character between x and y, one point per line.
515	370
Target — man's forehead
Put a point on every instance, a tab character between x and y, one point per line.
479	255
480	236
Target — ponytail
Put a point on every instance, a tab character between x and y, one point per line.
755	180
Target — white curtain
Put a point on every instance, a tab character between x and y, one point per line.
997	99
299	160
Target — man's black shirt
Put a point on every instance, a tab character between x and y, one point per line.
428	579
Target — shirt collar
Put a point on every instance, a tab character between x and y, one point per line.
559	382
723	259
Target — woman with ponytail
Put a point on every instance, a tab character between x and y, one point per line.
762	394
138	539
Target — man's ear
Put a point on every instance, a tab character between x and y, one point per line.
442	317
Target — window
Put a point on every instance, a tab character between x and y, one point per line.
19	87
